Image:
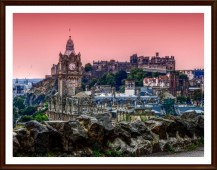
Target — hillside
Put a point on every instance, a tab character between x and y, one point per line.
40	91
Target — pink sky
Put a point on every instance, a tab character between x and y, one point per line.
38	39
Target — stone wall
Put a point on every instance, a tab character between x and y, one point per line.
86	136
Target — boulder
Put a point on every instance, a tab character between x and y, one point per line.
199	121
26	141
74	136
159	126
45	137
189	115
123	131
180	126
33	124
105	120
94	129
16	144
138	146
56	125
177	145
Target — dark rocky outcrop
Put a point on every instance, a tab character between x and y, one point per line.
88	136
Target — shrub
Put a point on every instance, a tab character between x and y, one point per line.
169	148
25	118
97	153
40	117
28	111
114	153
19	102
192	147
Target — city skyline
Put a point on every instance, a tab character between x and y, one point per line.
39	38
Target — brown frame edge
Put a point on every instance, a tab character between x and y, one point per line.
5	3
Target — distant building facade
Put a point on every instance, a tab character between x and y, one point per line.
20	89
112	66
161	81
148	64
154	63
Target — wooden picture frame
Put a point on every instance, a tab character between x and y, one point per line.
3	97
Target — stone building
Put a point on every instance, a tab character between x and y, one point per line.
178	86
161	81
154	63
112	66
148	64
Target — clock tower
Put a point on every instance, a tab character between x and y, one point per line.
69	72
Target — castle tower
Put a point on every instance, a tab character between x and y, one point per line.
69	70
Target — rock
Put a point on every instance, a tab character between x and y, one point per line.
45	137
94	129
180	126
123	131
56	126
139	128
159	126
73	135
140	147
42	141
162	144
156	147
86	121
33	124
105	120
16	144
27	143
199	121
118	144
189	115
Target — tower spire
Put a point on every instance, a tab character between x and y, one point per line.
70	32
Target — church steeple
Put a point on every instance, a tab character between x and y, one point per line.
70	44
69	47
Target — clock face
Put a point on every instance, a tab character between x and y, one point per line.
72	66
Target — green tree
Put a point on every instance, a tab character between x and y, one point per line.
28	111
181	99
19	102
138	75
110	79
40	117
46	105
88	67
188	100
25	118
155	74
102	80
168	105
122	88
119	77
197	95
92	82
107	79
183	76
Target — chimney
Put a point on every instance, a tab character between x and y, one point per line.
92	92
138	90
113	91
86	88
